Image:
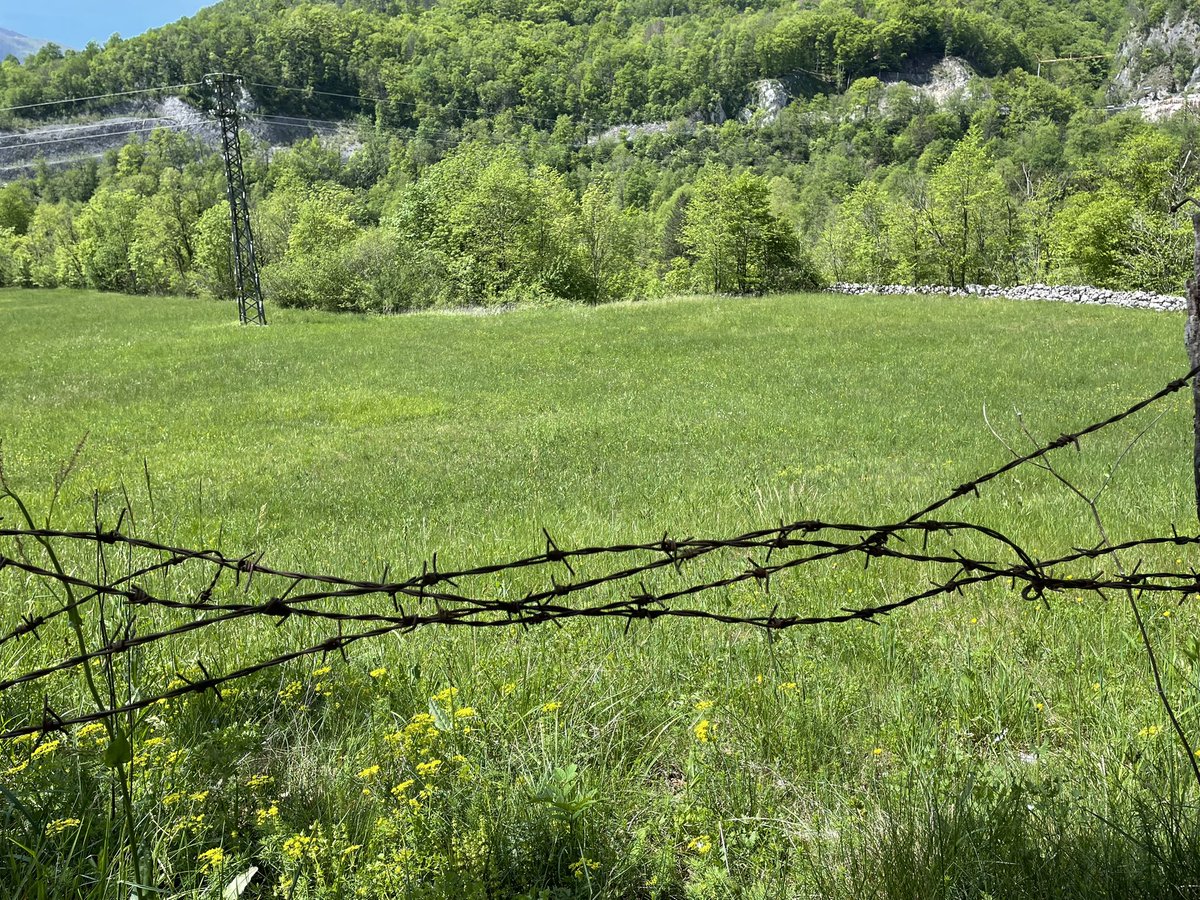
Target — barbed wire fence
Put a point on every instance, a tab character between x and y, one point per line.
238	589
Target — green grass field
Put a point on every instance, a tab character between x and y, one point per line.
976	746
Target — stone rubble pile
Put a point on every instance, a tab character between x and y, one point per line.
1058	293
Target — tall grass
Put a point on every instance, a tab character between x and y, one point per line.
978	746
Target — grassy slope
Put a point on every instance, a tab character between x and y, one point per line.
342	443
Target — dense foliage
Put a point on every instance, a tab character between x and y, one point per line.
442	63
480	177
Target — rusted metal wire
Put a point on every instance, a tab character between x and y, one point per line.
240	589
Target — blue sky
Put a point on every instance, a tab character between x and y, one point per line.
73	23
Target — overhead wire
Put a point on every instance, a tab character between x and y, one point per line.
82	126
150	90
177	126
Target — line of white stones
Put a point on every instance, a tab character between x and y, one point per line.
1050	292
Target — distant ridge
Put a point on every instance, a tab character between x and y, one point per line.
18	45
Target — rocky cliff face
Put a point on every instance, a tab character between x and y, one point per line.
1158	62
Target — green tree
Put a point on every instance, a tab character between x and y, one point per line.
17	204
106	227
616	247
211	274
859	239
501	230
736	243
966	206
1090	237
54	246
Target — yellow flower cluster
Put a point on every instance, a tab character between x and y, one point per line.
211	860
264	816
398	790
584	865
700	845
94	733
702	730
290	693
58	826
299	845
45	749
429	769
188	824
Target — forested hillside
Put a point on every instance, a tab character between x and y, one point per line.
512	150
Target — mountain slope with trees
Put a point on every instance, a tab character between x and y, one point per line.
478	176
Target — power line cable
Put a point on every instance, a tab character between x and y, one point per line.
175	127
43	132
169	87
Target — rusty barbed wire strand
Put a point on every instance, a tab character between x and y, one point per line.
446	597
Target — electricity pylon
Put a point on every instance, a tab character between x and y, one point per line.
227	89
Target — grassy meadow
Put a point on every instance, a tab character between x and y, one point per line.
976	746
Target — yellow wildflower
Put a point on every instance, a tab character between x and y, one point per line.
45	749
701	730
429	769
369	772
378	673
298	845
581	867
58	826
211	859
266	815
551	706
403	786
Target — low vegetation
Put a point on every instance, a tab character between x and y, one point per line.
982	745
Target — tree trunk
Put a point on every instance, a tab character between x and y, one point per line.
1192	342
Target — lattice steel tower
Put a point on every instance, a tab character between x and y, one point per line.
227	89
